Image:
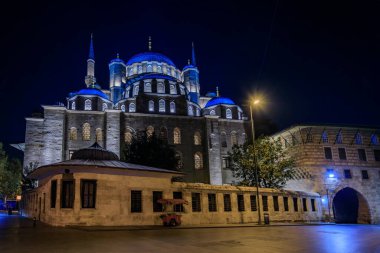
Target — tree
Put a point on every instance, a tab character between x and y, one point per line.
10	176
150	150
275	166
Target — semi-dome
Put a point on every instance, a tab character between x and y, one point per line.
150	56
219	101
94	152
89	91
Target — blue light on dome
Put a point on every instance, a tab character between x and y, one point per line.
219	101
117	60
149	76
188	67
150	56
89	91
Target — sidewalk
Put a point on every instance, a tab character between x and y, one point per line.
18	221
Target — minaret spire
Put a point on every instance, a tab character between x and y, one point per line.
91	54
90	79
150	43
217	91
193	55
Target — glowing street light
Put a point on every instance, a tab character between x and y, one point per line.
255	102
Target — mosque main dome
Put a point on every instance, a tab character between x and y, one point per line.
150	57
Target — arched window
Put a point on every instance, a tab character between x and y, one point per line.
198	112
127	92
139	69
172	107
86	132
168	71
358	139
228	114
131	71
234	138
136	90
243	138
197	138
87	105
132	107
182	89
128	136
149	131
159	69
178	157
163	134
99	135
325	137
105	107
161	105
339	137
149	68
73	106
173	89
160	88
198	161
151	105
223	139
123	108
177	135
190	110
374	139
147	87
212	112
73	134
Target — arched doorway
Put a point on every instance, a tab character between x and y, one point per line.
350	206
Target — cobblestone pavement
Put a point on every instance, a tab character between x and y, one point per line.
17	234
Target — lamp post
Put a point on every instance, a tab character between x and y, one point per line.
255	160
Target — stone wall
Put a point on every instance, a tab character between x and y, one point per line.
313	169
113	202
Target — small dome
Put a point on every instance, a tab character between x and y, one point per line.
95	152
89	91
150	56
219	101
117	60
189	66
211	94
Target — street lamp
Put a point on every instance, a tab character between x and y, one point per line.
329	181
255	102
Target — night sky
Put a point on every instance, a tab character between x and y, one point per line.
316	61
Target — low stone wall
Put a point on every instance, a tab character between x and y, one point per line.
113	202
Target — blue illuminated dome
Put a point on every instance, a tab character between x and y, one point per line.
89	91
150	56
189	66
219	101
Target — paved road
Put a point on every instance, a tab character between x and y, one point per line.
18	235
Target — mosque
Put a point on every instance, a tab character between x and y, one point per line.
82	183
148	93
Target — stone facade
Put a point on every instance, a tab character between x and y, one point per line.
48	142
113	201
332	158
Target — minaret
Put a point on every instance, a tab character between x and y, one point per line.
90	79
193	55
117	78
191	77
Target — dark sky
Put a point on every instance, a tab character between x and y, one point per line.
316	61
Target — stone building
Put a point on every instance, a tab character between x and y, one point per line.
94	188
146	93
342	164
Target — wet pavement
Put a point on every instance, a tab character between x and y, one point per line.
17	234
